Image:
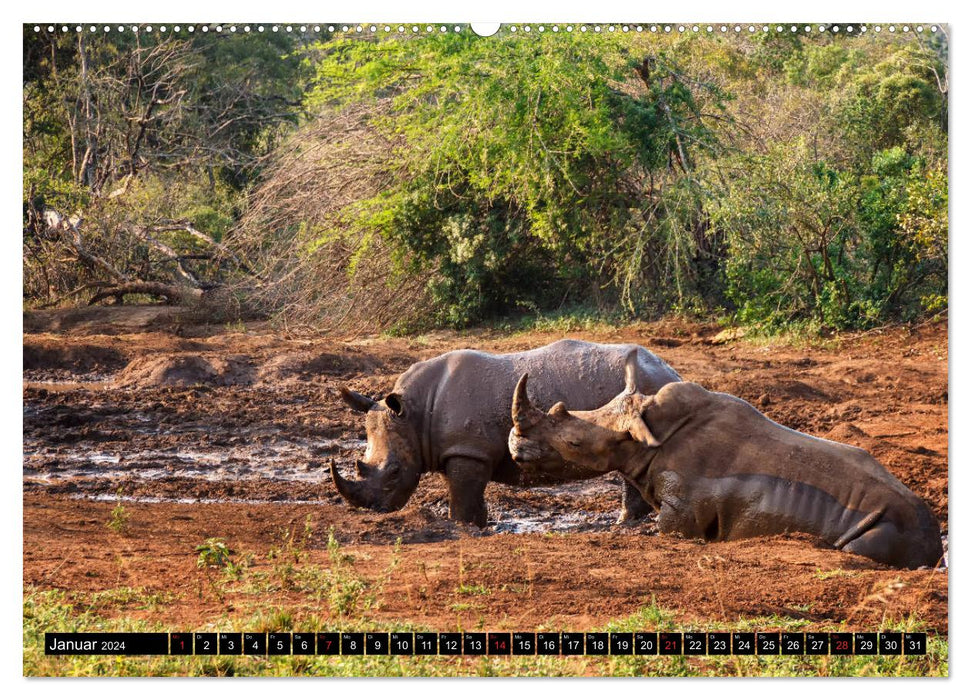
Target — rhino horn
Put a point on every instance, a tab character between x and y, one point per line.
523	413
357	402
354	492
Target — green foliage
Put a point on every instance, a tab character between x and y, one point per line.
807	241
213	553
132	133
348	592
566	320
472	589
923	217
883	105
527	162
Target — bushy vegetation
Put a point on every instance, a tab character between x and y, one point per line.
403	182
138	149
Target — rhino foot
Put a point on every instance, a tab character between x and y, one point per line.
479	518
467	481
628	518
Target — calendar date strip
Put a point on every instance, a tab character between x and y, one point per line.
486	643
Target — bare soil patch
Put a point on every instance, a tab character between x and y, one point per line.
186	370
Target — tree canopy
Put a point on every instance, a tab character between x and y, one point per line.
408	182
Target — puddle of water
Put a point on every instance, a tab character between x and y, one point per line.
286	462
512	522
520	521
354	445
190	500
101	458
156	474
261	456
94	383
588	487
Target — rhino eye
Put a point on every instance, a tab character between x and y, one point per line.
574	443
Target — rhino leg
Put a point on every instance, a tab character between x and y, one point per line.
671	520
633	505
467	481
675	514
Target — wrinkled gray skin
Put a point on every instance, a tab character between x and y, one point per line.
717	469
451	414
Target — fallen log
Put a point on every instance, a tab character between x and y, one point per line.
172	293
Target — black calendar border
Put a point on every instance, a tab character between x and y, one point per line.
762	643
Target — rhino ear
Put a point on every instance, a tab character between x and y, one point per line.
630	372
638	428
357	402
394	404
639	431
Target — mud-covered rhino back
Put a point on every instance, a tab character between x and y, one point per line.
727	471
856	482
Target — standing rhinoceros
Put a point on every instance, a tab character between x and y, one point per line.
450	414
717	469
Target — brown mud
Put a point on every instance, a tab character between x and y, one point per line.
205	432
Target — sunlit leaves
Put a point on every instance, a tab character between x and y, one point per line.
522	153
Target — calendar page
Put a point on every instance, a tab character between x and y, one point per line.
519	349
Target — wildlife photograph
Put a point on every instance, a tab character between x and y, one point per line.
518	334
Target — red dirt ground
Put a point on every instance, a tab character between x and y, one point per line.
210	433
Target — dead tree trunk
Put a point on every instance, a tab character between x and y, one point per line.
173	294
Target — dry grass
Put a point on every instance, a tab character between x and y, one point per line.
314	269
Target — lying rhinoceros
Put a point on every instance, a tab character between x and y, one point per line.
450	414
717	469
